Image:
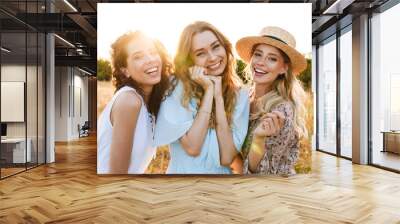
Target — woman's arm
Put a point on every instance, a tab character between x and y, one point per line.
194	138
270	125
226	145
124	115
256	153
224	134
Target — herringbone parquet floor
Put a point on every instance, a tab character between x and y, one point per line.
69	191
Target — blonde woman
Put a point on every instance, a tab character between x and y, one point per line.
205	117
277	111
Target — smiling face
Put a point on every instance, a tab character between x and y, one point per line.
208	52
144	63
267	63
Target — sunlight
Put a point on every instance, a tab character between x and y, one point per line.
166	21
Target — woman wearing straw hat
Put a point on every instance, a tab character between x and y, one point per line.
205	118
276	102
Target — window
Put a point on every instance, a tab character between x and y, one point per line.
22	68
346	75
385	89
327	96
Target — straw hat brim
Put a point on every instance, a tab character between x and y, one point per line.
245	45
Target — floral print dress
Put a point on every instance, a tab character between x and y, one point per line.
282	150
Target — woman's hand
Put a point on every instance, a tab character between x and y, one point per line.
217	80
270	125
197	74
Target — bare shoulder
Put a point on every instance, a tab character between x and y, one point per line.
126	103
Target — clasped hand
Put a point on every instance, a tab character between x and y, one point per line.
270	124
207	82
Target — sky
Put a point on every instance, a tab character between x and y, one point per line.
165	21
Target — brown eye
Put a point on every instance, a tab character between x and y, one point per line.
272	59
257	54
200	54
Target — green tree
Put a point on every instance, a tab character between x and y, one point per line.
104	71
240	70
305	76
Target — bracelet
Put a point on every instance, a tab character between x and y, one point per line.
202	111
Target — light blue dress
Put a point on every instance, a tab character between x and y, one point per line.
174	120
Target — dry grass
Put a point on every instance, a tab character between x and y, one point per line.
304	162
159	163
105	91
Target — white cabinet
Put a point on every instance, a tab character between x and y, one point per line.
18	149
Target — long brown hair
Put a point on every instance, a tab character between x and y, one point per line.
183	61
285	88
119	57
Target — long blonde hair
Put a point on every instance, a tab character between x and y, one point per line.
183	61
285	88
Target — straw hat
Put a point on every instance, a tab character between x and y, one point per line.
278	38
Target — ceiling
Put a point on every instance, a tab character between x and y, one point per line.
75	43
76	21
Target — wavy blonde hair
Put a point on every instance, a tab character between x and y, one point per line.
183	61
285	88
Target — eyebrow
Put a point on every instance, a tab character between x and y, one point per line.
273	54
141	52
269	54
136	53
212	44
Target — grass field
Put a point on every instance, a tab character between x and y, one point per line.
105	91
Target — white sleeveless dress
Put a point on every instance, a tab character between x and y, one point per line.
142	150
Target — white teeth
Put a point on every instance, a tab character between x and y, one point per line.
150	70
214	66
259	71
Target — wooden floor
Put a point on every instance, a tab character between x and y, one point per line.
5	172
10	171
69	191
387	159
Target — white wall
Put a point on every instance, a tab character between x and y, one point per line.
61	103
70	83
15	73
13	94
80	100
33	127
